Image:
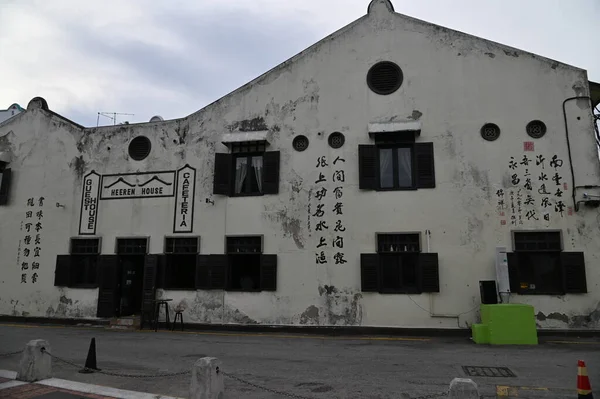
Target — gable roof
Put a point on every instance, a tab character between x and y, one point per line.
381	9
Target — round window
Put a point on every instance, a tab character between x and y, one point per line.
336	140
490	132
384	77
139	148
300	143
536	129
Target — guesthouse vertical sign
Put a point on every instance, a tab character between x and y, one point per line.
184	200
89	203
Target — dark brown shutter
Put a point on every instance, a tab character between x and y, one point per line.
271	172
5	186
367	167
268	272
108	285
62	273
513	272
369	272
425	165
162	273
573	265
203	272
429	273
219	266
149	281
222	174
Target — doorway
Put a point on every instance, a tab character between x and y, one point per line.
131	253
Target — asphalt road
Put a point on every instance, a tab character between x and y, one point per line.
309	366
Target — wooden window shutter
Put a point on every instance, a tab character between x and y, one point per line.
268	272
425	165
62	273
367	167
161	273
108	281
203	272
573	266
369	272
222	174
5	186
429	273
271	172
219	267
513	272
149	280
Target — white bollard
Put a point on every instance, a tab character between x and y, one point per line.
207	380
463	388
35	365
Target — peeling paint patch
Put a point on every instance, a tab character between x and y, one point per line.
491	55
511	53
310	315
290	225
553	316
77	164
416	115
327	289
249	125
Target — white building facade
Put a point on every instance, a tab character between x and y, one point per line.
372	180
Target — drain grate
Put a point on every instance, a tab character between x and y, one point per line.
478	371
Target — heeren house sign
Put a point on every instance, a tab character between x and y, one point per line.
179	184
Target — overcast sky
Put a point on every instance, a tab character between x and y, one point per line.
171	58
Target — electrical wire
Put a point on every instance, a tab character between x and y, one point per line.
431	314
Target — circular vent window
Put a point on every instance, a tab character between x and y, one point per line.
384	77
300	143
490	132
536	129
139	148
336	140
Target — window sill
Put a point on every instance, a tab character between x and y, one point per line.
178	288
242	290
246	195
84	286
398	189
539	293
400	292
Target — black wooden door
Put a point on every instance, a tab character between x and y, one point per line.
108	284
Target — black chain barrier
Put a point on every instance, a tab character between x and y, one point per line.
115	374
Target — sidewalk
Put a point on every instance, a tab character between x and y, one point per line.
54	388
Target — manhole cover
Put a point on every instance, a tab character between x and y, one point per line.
477	371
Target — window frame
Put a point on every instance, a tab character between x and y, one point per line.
168	257
74	255
395	172
248	156
401	256
518	253
147	238
231	255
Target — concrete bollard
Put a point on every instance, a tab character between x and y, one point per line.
463	388
207	379
35	365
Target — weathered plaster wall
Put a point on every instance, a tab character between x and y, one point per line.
453	84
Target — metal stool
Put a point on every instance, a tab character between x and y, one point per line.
178	314
158	303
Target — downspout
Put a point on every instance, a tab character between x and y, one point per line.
573	185
431	312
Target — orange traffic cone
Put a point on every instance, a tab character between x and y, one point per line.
584	389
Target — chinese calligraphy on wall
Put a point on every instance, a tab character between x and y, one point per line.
329	211
31	229
537	192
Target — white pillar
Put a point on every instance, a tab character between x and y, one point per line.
207	379
35	365
463	388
